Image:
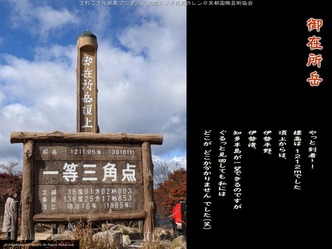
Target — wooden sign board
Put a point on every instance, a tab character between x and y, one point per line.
86	176
83	178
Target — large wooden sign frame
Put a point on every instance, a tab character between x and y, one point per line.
86	176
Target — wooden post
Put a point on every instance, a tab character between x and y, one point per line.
14	224
54	228
184	218
27	226
149	204
87	109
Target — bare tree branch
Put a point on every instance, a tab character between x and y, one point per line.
160	173
9	167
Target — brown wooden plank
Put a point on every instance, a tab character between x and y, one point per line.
86	151
139	215
57	136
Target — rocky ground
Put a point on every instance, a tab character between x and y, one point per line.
41	234
165	237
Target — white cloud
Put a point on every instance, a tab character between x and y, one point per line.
40	19
2	98
159	35
33	80
20	116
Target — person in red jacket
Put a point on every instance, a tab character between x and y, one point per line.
177	218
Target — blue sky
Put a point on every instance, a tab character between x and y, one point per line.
141	69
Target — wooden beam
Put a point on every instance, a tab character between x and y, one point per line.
57	136
91	217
